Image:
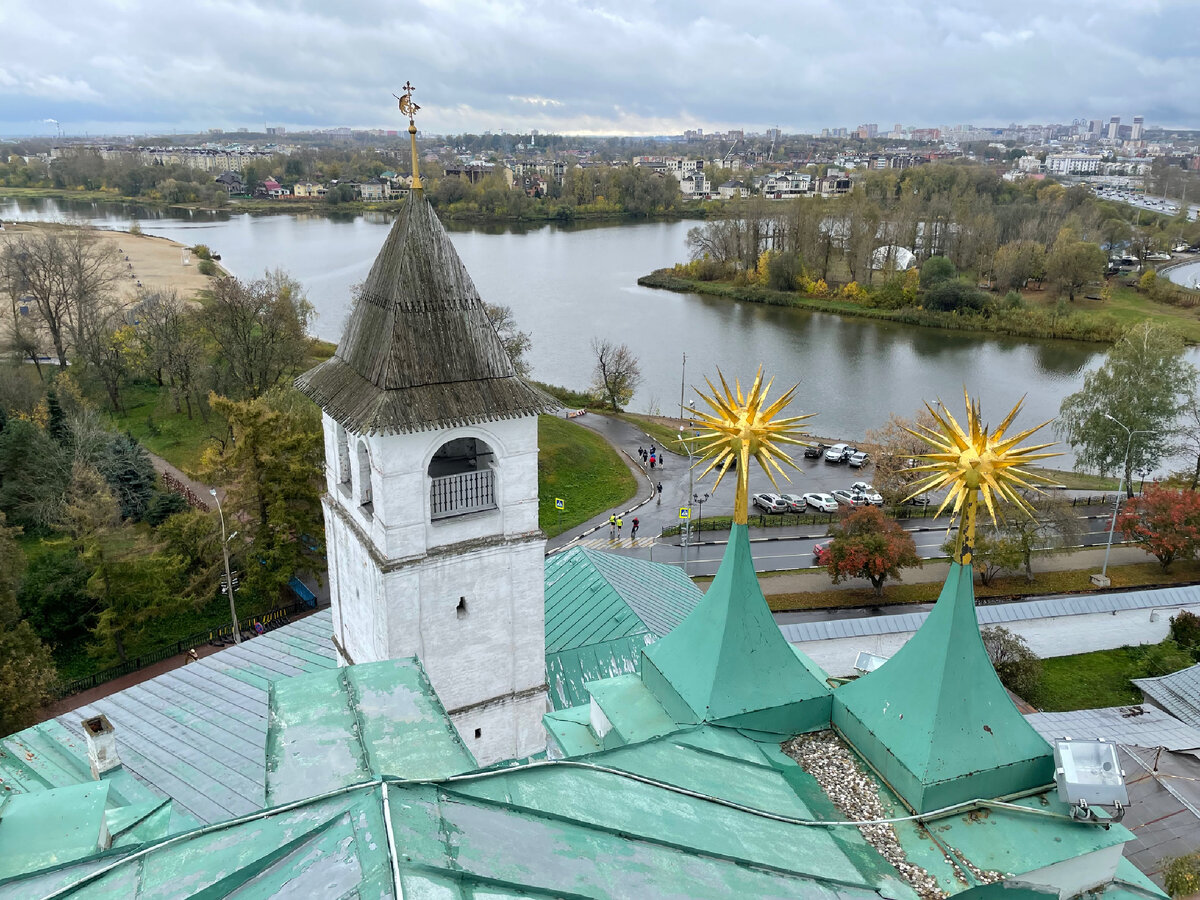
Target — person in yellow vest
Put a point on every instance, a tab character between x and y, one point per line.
612	527
620	524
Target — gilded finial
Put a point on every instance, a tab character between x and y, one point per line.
742	427
971	462
408	108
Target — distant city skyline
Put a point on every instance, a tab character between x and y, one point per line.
117	67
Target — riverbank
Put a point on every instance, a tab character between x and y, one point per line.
1095	321
547	213
149	263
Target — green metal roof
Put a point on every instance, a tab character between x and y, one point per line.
602	609
935	720
348	725
727	661
593	597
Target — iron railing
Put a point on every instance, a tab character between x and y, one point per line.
465	492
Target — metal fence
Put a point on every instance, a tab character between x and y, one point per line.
456	495
281	615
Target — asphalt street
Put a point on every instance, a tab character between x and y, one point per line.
775	548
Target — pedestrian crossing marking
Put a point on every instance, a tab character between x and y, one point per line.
606	543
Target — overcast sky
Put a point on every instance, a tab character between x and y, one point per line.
131	66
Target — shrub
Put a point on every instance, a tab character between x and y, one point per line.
1148	281
955	296
937	269
201	251
207	267
1181	877
854	292
1019	668
1163	659
1013	300
783	270
1185	631
135	228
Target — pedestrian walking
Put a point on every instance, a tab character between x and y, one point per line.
620	524
641	451
660	493
662	461
612	527
634	529
652	461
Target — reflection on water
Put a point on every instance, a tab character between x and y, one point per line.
568	284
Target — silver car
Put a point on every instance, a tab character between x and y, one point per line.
771	503
850	498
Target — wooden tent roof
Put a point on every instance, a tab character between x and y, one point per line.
418	352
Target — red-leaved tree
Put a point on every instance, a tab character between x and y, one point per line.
1164	522
868	545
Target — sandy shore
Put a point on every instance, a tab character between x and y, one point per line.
155	262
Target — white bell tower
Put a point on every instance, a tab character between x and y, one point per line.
431	512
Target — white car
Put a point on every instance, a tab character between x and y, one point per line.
771	503
821	502
834	453
867	490
850	498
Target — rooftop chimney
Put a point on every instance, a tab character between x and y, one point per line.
101	745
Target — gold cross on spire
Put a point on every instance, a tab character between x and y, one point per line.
408	108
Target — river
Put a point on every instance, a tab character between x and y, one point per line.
567	285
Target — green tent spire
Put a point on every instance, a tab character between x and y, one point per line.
727	662
935	721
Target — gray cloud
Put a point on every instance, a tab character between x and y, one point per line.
627	67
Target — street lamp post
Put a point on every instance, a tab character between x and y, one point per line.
1102	579
700	501
237	632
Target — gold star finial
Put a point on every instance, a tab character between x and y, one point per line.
741	427
408	108
973	461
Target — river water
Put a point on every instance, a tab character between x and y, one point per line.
568	285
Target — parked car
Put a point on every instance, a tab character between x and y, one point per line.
920	500
815	451
858	459
821	502
850	498
770	503
835	453
867	490
794	501
821	552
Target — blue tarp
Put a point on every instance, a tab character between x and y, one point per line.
300	589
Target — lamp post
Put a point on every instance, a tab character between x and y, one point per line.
687	447
700	501
237	632
1102	580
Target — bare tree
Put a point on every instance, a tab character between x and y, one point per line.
171	346
68	276
617	373
516	342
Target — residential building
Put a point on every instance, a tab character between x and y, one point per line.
1072	164
731	189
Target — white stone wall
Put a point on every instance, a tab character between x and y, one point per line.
507	730
1062	636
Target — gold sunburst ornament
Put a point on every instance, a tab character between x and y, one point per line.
974	461
742	427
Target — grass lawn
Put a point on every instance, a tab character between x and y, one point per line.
579	466
1128	307
151	418
1089	680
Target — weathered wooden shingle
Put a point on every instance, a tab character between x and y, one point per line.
418	352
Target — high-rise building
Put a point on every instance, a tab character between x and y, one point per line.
1139	128
1114	128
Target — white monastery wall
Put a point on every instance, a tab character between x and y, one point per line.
1059	636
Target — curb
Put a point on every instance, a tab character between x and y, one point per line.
579	537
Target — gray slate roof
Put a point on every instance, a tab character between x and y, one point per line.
1177	693
1138	726
998	614
418	352
196	734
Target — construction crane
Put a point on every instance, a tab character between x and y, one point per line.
729	155
774	138
57	125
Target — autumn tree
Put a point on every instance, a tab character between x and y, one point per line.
27	674
617	373
172	350
1017	263
868	545
1141	386
259	328
893	448
1163	521
1073	264
273	472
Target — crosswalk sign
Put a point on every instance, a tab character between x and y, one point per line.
685	512
558	503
